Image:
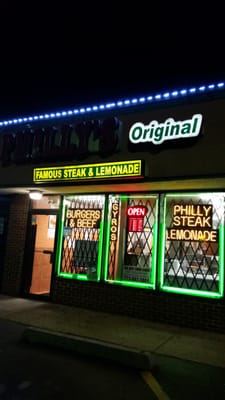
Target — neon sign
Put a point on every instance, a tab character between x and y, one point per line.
137	211
136	216
169	130
114	221
120	169
192	222
83	218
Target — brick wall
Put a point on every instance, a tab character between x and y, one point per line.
175	309
15	244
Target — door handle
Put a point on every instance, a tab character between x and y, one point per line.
47	251
51	255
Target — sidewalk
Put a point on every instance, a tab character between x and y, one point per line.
132	341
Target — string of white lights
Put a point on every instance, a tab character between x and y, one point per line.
117	104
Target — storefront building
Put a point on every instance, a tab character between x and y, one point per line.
131	218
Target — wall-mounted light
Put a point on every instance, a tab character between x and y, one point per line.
35	195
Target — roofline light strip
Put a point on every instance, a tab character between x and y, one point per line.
117	104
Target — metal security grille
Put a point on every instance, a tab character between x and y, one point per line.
83	216
192	246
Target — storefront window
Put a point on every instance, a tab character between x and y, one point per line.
192	244
188	259
80	237
131	240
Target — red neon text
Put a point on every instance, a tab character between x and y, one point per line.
137	211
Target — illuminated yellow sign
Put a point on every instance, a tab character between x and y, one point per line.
83	218
120	169
114	222
192	222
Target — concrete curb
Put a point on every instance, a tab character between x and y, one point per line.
90	347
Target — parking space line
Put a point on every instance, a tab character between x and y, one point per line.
154	385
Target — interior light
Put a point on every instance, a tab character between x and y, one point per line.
35	195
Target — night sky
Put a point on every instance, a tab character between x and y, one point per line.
59	57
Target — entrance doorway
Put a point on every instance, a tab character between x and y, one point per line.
40	252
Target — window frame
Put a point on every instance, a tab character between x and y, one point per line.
162	246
